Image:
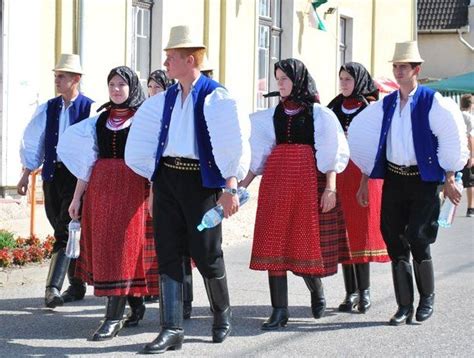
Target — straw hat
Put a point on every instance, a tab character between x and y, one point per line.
406	52
69	63
205	65
180	37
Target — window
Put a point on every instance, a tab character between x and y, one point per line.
141	38
345	40
269	39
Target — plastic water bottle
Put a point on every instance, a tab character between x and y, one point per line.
448	209
215	215
73	247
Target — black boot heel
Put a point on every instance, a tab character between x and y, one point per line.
137	311
403	315
278	318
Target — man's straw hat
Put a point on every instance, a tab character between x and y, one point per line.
69	63
180	37
406	52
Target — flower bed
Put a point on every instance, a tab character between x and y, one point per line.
21	251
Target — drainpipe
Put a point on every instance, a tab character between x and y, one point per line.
372	47
222	41
415	20
463	40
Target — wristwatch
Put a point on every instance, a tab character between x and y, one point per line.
232	191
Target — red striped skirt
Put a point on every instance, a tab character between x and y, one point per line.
114	243
291	233
363	224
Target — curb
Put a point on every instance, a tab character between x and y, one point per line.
32	273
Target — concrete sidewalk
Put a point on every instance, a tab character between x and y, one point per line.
29	329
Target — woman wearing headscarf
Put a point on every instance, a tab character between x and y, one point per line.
362	222
158	82
298	147
113	240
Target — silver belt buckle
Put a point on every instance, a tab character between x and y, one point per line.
177	161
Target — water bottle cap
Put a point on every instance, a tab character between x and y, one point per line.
458	176
201	227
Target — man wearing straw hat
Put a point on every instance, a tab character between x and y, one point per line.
38	147
193	143
414	139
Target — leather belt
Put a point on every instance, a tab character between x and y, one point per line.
403	170
181	163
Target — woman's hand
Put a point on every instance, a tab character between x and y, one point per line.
328	200
75	209
362	195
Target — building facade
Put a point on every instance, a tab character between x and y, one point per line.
244	40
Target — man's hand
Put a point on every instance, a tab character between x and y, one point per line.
22	186
230	203
450	189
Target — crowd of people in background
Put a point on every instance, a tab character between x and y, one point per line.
355	182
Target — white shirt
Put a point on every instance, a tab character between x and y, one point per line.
64	120
400	147
446	123
181	141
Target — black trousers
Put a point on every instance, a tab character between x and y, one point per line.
409	217
179	202
58	195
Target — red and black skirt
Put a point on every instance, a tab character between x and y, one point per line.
116	249
362	223
291	232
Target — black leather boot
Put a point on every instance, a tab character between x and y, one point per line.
279	298
57	272
77	288
363	282
136	313
171	318
350	283
113	320
187	287
424	276
403	284
318	301
218	295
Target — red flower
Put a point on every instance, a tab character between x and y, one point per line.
6	258
20	242
35	254
47	249
33	240
20	256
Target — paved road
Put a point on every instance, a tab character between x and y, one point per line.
26	328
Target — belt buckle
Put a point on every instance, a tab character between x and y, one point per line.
404	169
177	161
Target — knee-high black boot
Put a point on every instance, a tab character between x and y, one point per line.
279	298
218	295
171	315
350	283
113	320
187	287
137	311
403	284
77	287
57	272
363	282
424	276
318	301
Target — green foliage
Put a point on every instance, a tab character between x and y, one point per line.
7	239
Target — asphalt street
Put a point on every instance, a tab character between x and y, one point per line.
29	329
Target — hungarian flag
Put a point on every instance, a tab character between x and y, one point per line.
314	19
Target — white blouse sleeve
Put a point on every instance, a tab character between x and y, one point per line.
262	139
332	151
142	141
364	136
447	124
78	148
32	143
229	130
